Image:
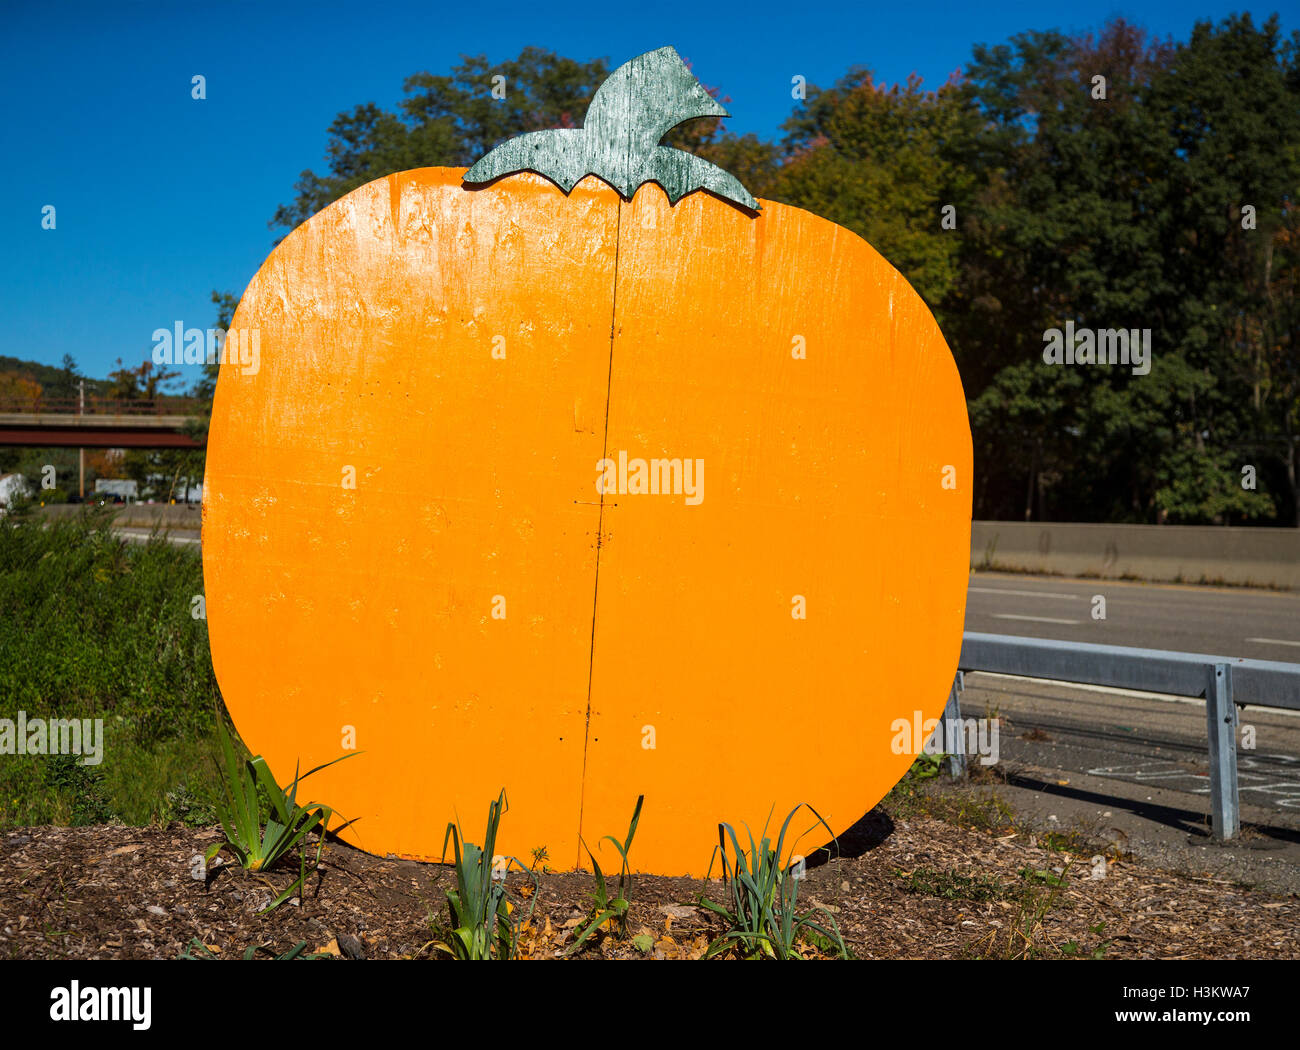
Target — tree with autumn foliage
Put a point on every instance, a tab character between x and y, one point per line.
18	392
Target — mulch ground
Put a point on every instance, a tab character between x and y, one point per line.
129	892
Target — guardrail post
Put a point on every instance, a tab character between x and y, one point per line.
954	740
1221	721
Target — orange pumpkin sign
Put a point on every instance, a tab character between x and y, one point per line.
589	491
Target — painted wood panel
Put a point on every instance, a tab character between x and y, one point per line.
475	358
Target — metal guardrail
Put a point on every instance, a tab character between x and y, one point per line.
1225	682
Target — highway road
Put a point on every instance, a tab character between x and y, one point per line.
1223	621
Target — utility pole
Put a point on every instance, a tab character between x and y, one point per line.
81	452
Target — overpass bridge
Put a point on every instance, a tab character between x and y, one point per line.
98	423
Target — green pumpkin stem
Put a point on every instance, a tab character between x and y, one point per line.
636	106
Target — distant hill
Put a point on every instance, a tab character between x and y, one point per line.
51	377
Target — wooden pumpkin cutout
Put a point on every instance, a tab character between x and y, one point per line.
564	483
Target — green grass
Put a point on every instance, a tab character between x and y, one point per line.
92	626
1072	841
1025	937
954	885
920	794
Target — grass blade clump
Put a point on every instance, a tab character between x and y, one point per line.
485	922
615	909
258	845
762	916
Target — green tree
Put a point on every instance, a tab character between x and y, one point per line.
65	385
884	162
1123	212
1234	96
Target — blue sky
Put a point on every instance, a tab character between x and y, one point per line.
160	198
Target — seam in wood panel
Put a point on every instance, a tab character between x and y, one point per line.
600	527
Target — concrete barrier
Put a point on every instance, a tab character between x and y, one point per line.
1177	553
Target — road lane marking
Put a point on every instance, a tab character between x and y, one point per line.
1273	641
1025	594
1035	619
